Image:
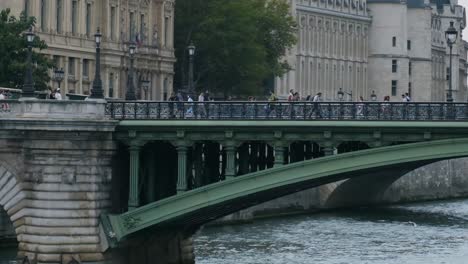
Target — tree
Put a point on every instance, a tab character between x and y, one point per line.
13	53
239	43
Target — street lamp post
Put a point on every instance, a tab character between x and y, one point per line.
59	75
191	50
451	35
130	95
28	87
96	92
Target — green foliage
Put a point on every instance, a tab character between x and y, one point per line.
239	43
13	53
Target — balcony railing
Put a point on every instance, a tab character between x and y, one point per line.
401	111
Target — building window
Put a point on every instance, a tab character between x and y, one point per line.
86	69
74	17
166	30
165	87
111	85
408	44
43	15
26	8
88	19
394	87
56	60
394	65
394	41
410	68
71	66
132	26
112	24
142	26
58	18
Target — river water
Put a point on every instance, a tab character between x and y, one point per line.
424	233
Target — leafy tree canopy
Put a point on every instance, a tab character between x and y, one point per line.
13	53
240	43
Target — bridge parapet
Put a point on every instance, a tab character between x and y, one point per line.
393	111
52	109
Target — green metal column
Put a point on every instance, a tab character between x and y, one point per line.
133	196
279	155
182	169
230	162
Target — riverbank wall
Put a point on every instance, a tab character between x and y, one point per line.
441	180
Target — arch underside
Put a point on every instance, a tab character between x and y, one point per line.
205	204
9	193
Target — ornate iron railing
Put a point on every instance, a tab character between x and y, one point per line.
145	110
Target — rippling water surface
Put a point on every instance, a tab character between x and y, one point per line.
426	233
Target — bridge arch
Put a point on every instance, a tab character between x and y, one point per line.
199	206
11	197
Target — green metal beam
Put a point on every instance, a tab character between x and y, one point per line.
288	123
322	170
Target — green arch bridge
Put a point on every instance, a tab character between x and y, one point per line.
221	163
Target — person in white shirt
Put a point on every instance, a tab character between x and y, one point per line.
201	107
190	109
5	106
316	106
57	94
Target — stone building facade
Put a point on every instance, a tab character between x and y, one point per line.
68	27
408	50
386	46
332	49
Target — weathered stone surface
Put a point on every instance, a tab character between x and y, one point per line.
55	174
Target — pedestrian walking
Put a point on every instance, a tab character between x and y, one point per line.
360	107
201	105
316	106
189	112
5	105
57	94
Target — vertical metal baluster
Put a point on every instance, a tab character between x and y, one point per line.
354	111
124	110
135	111
291	110
147	111
255	110
112	110
391	111
158	109
244	110
304	110
416	111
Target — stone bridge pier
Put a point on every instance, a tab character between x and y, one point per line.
55	175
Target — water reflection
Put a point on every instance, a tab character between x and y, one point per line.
426	233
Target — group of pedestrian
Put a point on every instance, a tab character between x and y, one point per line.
55	94
5	107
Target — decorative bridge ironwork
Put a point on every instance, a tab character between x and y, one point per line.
402	111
